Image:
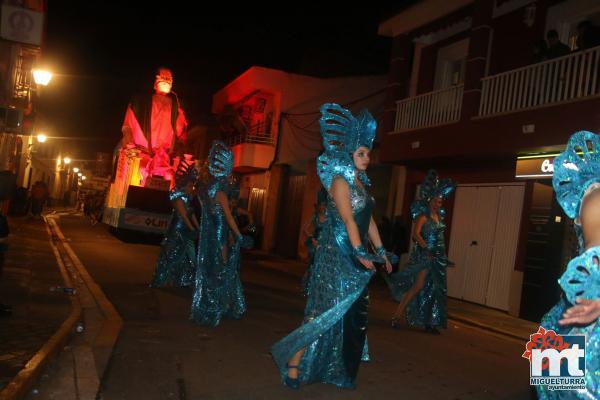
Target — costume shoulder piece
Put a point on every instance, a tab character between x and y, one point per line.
342	135
582	276
575	169
431	188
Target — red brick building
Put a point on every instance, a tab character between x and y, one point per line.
468	96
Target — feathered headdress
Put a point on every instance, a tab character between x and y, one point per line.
431	188
342	135
220	160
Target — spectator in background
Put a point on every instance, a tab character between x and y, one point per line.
540	50
556	48
588	35
39	195
7	185
5	310
20	204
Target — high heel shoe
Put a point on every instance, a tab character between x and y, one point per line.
292	383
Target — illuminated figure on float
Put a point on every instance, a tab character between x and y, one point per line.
155	123
576	182
420	287
176	264
330	344
218	290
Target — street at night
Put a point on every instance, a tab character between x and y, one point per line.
160	354
392	200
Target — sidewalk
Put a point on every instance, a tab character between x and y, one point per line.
495	321
30	271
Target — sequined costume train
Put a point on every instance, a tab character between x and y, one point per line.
311	248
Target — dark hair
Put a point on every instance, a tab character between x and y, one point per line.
552	34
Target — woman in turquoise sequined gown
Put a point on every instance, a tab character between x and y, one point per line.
330	344
420	287
576	182
176	263
218	290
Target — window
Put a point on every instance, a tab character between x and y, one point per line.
451	64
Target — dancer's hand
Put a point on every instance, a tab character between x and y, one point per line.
364	257
388	265
245	242
366	263
585	312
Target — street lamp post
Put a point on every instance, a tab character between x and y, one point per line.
41	78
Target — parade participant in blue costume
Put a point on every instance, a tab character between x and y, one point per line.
420	287
312	230
243	218
176	264
217	291
576	182
330	344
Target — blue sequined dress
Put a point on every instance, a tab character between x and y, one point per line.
428	307
335	317
176	263
576	174
311	249
217	291
317	225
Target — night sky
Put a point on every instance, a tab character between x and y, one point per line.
103	53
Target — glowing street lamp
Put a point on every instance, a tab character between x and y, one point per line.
67	160
42	77
76	170
41	138
79	174
83	178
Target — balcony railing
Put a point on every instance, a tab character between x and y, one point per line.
256	134
429	109
568	78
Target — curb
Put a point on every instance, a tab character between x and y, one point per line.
20	385
107	337
477	324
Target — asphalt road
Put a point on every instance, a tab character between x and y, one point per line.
162	355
